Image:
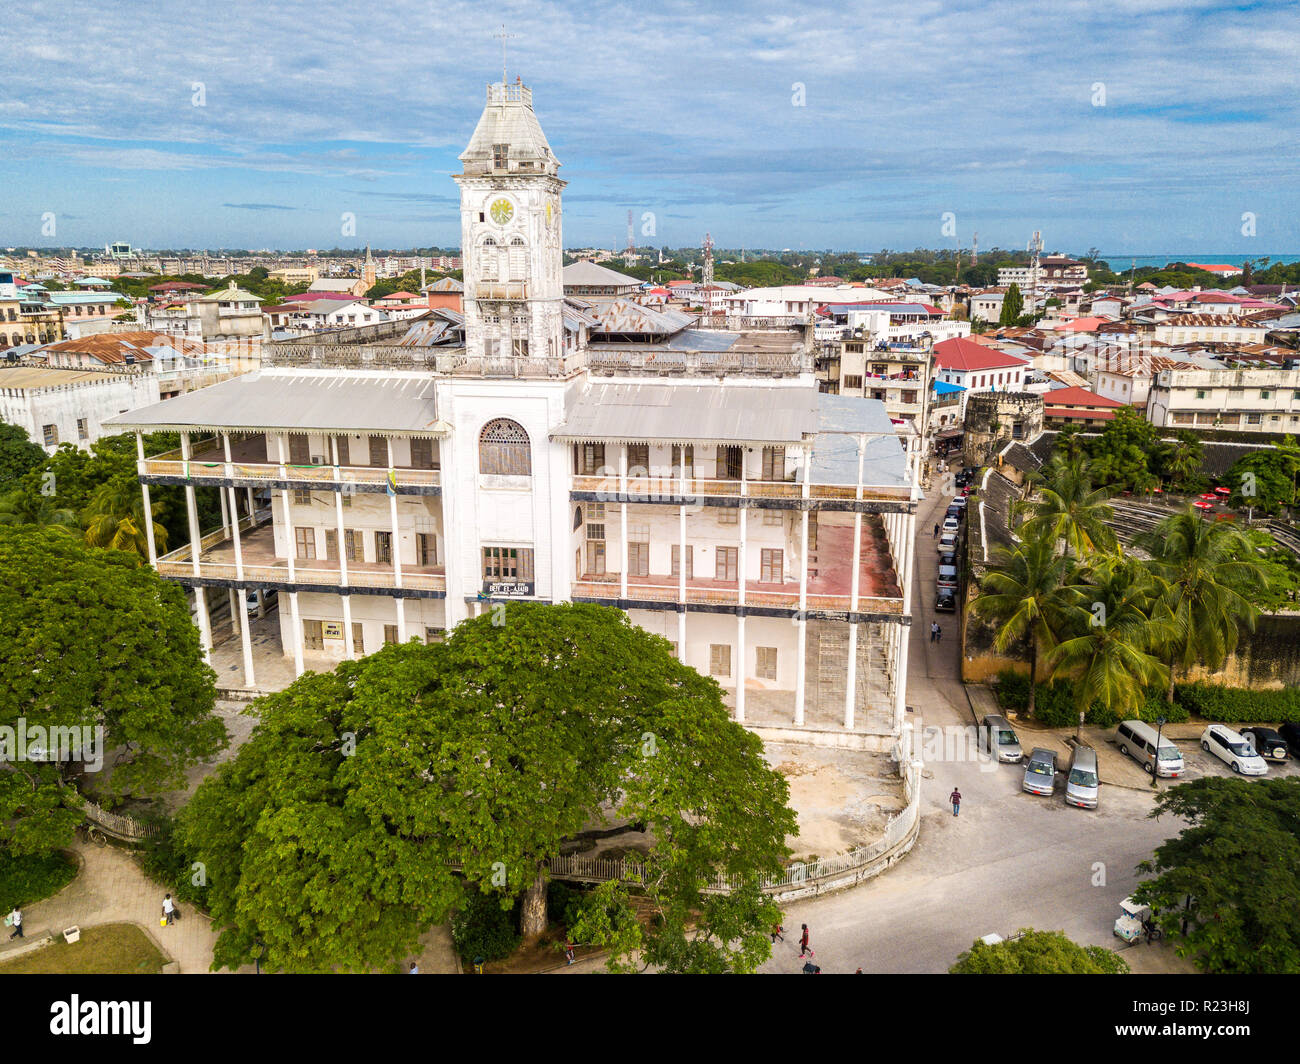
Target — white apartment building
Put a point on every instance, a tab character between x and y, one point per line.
57	406
392	480
1248	400
795	302
1054	271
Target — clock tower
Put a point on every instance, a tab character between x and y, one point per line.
510	238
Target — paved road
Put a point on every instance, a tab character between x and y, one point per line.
1010	860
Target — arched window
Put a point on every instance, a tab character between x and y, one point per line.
503	448
518	259
577	518
488	260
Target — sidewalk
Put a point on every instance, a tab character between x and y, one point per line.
112	889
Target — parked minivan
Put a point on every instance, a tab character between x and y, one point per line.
1137	739
1082	784
998	738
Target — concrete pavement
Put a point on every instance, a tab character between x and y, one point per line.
1010	860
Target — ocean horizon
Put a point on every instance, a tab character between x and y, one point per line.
1120	263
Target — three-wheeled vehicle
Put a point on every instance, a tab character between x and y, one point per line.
1134	922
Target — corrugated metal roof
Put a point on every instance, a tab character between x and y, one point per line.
689	413
585	273
295	402
36	377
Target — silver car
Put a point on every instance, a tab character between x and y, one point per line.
1040	772
1000	739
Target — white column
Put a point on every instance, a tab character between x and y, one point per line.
392	513
295	619
401	619
348	652
851	677
338	517
800	679
201	598
148	508
681	635
246	643
252	505
225	513
622	524
740	668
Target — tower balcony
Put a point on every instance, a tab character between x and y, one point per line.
500	290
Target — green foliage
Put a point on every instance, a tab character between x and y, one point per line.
1230	875
1056	707
483	927
1013	305
328	838
165	861
28	878
1038	953
89	639
1120	456
1266	479
18	455
1240	705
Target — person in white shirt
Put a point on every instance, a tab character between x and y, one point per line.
16	918
169	909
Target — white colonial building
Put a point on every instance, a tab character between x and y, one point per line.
391	480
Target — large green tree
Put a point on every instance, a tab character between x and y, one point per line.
1029	592
1013	305
89	639
1208	586
1066	507
330	839
1111	659
1121	456
1038	953
18	455
1224	889
1266	478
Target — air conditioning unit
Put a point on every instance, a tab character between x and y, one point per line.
319	459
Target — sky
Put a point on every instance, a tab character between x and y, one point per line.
1134	126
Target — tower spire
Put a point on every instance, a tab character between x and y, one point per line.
503	36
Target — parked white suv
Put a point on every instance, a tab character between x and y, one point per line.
1233	750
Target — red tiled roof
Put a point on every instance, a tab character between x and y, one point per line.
1078	397
1083	324
964	355
1082	415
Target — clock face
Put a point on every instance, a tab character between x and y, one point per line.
501	211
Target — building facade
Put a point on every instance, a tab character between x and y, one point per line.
393	480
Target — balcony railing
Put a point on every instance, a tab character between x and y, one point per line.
304	572
672	487
170	465
608	587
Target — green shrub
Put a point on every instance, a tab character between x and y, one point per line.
163	860
562	902
483	929
29	878
1239	705
1054	704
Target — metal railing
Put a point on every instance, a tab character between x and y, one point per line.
609	586
204	470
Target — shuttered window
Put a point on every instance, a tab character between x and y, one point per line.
503	448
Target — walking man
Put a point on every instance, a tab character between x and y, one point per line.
955	798
16	918
936	531
169	909
776	933
415	969
933	626
804	948
938	632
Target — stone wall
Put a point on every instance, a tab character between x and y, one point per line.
994	419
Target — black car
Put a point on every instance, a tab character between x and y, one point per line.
1267	743
956	511
1291	736
948	558
961	479
946	601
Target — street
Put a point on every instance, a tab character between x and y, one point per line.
1010	860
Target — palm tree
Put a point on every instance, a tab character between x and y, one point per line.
115	519
1028	592
1208	588
21	508
1068	508
1181	458
1111	659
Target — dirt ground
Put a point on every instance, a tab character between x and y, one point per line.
843	797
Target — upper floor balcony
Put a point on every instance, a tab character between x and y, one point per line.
678	491
262	565
248	465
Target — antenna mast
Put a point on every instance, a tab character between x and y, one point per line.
631	246
707	274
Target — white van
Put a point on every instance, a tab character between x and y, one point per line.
1137	739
